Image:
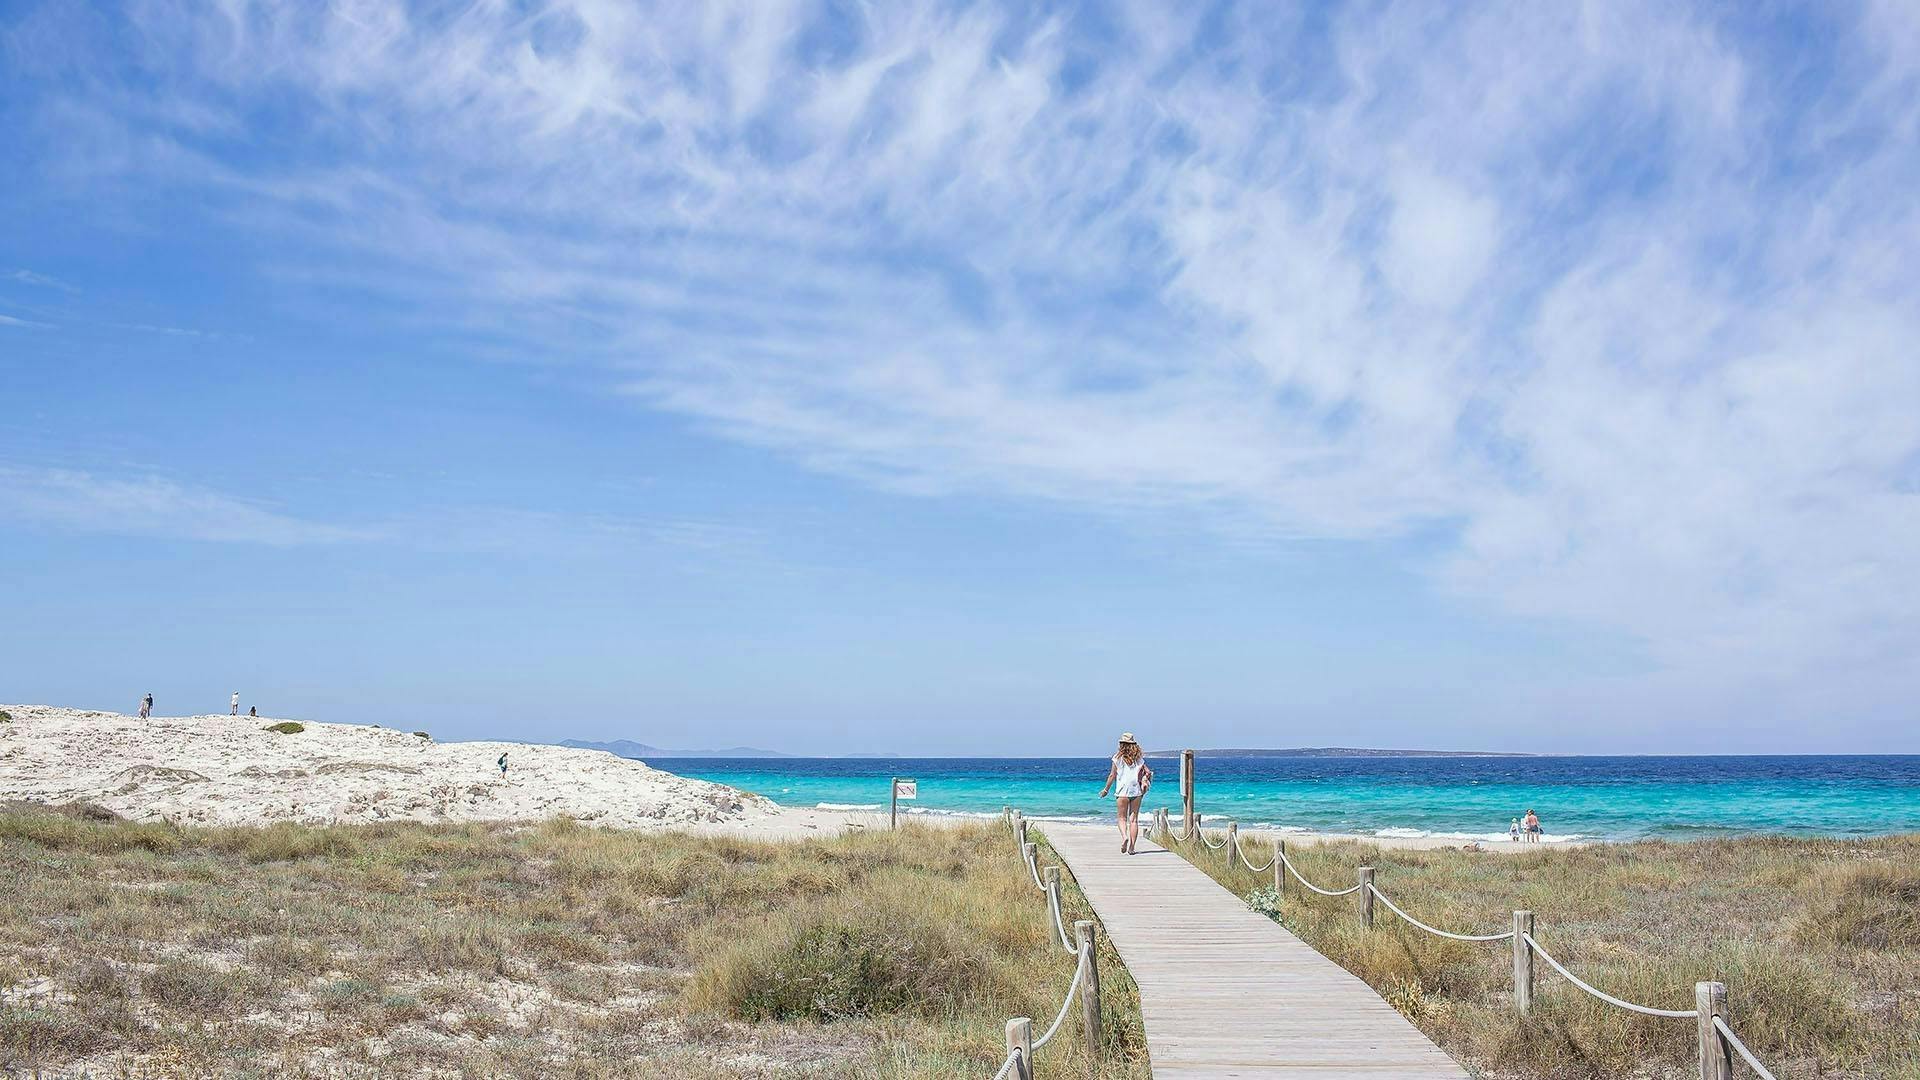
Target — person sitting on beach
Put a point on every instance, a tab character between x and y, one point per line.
1128	777
1532	825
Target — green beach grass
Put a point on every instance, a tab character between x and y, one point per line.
554	950
1818	942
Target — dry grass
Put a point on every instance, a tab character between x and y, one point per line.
554	951
1818	942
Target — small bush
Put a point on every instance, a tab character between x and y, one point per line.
423	735
189	985
831	973
286	727
5	717
30	1036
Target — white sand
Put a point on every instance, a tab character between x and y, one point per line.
227	770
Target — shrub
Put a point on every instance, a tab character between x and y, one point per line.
423	735
832	972
286	727
5	717
31	1035
187	984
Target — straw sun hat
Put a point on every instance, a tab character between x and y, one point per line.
1126	737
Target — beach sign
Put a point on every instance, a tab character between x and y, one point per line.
903	788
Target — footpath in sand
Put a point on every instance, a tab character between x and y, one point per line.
229	770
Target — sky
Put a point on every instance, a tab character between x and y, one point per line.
969	379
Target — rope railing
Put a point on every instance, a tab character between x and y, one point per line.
1645	1010
1395	908
1718	1042
1739	1047
1295	871
1242	852
1021	1046
1073	990
1053	908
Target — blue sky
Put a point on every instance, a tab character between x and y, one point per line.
962	379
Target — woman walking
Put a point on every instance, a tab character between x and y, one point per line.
1128	777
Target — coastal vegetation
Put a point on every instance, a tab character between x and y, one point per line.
546	950
1817	940
286	727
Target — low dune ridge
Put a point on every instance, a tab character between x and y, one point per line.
232	770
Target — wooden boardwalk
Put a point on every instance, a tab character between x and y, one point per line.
1227	992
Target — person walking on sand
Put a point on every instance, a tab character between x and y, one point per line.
1128	777
503	765
236	703
146	707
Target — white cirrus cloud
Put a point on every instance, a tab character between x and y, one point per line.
1618	295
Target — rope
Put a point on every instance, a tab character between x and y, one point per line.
1079	974
1734	1041
1382	897
1006	1068
1053	907
1601	994
1323	892
1242	852
1211	844
1033	868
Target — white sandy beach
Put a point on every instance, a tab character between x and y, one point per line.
228	770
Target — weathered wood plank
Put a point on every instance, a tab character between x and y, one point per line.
1226	992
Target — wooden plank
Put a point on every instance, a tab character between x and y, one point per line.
1227	992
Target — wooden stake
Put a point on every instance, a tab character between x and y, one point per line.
1716	1057
1090	993
1522	963
1020	1037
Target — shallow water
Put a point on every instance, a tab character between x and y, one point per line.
1613	798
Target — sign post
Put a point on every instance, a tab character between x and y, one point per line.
903	788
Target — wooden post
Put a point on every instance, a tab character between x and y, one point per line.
1031	853
1186	792
1089	993
1522	963
1160	822
1020	1037
1279	868
1050	877
1019	828
1233	837
1716	1057
893	803
1366	897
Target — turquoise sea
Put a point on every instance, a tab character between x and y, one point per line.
1613	798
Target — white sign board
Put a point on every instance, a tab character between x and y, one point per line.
906	789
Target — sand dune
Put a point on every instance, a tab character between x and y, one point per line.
227	770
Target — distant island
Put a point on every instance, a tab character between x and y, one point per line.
627	748
1331	751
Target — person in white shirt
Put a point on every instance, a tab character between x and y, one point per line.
1128	777
236	703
